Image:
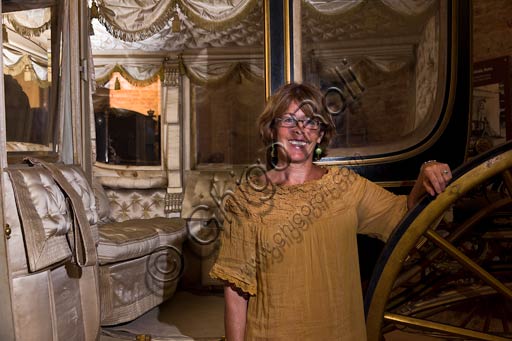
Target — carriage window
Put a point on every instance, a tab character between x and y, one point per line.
381	64
29	37
227	93
127	121
225	115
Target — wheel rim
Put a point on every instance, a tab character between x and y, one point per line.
386	299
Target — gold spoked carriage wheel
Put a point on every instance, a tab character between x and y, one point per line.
447	268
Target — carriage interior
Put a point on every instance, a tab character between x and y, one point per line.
126	123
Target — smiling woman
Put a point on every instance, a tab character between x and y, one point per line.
293	104
298	278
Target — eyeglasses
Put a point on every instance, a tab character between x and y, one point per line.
292	122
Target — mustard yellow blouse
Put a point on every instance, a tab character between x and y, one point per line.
294	250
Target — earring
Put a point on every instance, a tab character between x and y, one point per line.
318	152
273	151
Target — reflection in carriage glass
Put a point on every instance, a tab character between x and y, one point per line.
381	64
29	37
128	119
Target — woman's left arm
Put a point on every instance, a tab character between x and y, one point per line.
433	179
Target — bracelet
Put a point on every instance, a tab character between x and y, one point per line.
429	161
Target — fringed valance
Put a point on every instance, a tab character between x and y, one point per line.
137	75
216	73
336	7
201	74
35	22
15	64
135	20
216	14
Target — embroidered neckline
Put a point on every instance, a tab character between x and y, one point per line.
309	183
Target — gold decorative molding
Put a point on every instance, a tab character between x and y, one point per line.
171	72
287	43
173	202
266	13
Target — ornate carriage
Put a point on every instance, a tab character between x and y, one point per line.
177	86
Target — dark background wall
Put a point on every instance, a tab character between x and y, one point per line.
492	29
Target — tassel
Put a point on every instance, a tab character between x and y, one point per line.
176	25
94	11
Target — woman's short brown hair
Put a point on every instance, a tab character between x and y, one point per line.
311	101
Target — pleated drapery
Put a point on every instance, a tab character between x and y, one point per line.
16	63
134	20
31	23
201	74
136	74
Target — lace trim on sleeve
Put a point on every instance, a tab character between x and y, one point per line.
218	272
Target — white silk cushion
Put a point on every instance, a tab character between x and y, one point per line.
74	175
45	217
138	237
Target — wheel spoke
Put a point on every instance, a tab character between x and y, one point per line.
461	230
423	280
468	263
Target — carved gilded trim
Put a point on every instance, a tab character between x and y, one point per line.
266	13
171	73
287	45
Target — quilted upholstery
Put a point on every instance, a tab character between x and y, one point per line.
80	184
44	216
133	288
198	207
138	237
48	288
139	253
136	204
125	240
139	257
